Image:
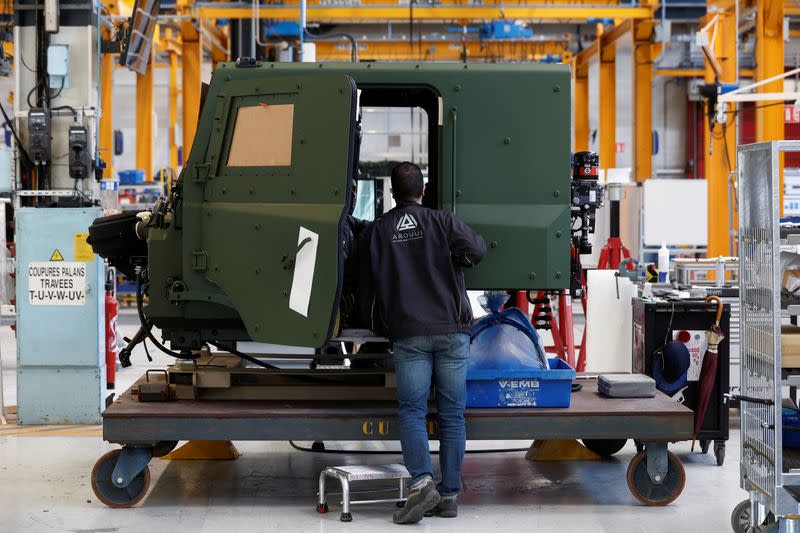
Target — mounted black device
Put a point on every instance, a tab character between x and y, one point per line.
39	134
79	157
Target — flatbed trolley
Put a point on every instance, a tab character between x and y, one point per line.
145	430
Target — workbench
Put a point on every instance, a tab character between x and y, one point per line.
148	429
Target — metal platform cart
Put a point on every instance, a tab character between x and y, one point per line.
768	470
147	428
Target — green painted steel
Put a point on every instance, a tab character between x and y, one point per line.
501	154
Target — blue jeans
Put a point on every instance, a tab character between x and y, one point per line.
442	358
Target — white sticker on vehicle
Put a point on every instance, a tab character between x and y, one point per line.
304	265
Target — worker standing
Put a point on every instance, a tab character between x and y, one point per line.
416	260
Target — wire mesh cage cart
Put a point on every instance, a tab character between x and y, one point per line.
770	467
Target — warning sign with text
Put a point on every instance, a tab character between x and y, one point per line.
57	283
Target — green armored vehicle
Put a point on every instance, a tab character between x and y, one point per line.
249	245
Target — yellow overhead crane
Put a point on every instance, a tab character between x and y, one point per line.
392	10
449	50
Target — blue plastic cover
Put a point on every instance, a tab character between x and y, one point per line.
505	341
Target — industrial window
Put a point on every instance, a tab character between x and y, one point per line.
398	124
262	136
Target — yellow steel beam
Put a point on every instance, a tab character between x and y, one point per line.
616	31
581	63
511	50
321	14
169	45
608	105
720	143
191	61
681	72
106	133
642	58
173	109
144	120
605	38
695	73
215	41
580	111
769	63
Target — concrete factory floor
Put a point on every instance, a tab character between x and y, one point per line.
44	486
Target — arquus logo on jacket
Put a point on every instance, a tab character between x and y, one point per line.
408	229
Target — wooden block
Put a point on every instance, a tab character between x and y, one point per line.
790	346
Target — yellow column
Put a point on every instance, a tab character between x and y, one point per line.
106	147
106	132
144	120
643	100
721	162
191	57
581	108
191	61
173	109
608	105
769	62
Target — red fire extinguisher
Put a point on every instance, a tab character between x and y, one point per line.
111	331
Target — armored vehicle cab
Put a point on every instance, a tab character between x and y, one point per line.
249	244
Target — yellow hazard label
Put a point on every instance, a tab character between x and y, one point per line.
83	250
56	256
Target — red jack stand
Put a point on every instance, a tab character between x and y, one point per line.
612	254
562	328
614	251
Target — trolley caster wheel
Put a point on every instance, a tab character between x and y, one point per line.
650	493
639	445
704	445
322	508
318	446
346	517
719	451
604	447
111	495
740	519
163	447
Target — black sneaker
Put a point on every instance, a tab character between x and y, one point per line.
446	508
420	500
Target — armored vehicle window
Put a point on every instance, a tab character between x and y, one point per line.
389	135
262	136
398	124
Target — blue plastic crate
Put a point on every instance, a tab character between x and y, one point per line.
521	388
791	427
131	177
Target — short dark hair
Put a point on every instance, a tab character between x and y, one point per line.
407	182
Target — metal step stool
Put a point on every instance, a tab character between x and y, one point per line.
348	474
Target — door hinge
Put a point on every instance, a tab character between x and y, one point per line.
200	260
201	173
